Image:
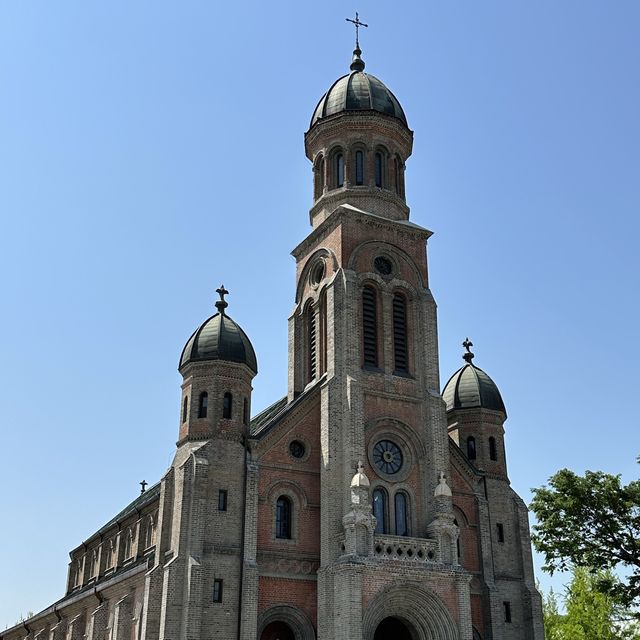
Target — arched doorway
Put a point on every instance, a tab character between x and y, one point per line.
277	631
392	629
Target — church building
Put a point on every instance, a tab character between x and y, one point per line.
368	503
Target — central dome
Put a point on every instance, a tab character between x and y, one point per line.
358	91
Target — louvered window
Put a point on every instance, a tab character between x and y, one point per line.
203	404
312	346
339	167
370	327
379	169
400	333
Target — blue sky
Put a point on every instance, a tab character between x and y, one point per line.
150	151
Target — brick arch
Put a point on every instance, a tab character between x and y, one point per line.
399	255
297	620
332	265
421	610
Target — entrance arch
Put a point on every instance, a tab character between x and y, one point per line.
393	628
277	631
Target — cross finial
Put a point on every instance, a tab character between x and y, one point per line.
467	344
143	484
222	304
357	24
360	467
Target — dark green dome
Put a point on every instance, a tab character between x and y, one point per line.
471	388
358	91
219	338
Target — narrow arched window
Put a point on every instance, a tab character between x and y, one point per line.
379	162
471	448
396	175
369	327
339	169
458	538
202	404
380	509
245	411
111	554
319	178
359	167
493	451
227	406
402	514
401	362
312	344
185	408
283	518
149	537
323	332
128	545
94	564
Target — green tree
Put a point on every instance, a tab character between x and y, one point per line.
590	614
591	521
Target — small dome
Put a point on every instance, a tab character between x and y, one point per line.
358	91
219	338
471	388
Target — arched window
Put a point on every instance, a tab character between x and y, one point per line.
471	448
339	169
128	544
359	167
283	518
379	162
493	451
396	175
323	332
369	327
150	533
312	346
380	509
111	555
455	521
319	178
94	564
202	405
185	408
401	513
245	411
227	406
400	354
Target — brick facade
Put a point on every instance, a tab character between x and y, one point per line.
265	530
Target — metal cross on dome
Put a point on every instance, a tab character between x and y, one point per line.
222	304
358	24
467	344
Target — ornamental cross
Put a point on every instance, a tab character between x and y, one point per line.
358	24
222	304
143	484
467	344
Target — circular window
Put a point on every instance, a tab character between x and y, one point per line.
297	449
387	456
383	266
317	273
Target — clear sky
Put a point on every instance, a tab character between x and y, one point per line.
150	151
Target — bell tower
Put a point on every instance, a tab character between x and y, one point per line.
363	329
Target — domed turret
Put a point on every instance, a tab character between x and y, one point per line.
358	91
471	388
219	338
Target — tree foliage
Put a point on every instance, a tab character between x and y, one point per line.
590	614
591	521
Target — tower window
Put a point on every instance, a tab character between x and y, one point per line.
222	500
227	406
359	167
319	178
471	448
500	531
323	333
401	513
202	405
245	411
380	509
312	347
400	333
455	521
283	518
507	611
379	161
217	590
493	452
339	168
185	408
370	327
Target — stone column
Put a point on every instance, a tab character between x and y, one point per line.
464	606
249	618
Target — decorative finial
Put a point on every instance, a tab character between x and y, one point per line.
357	63
467	344
143	484
222	304
442	488
360	467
